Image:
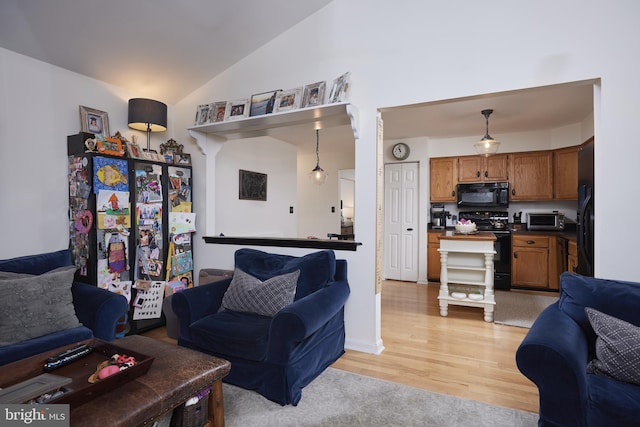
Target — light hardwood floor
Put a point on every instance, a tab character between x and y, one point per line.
460	354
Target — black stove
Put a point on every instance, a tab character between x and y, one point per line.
498	223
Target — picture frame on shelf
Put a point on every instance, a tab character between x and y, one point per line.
182	159
152	155
133	150
288	100
263	103
314	94
168	157
94	121
340	88
111	146
171	146
217	114
238	109
203	114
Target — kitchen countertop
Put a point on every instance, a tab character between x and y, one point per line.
569	235
480	235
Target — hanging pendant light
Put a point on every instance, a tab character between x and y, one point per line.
318	175
487	145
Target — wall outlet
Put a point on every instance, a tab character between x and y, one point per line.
291	209
333	209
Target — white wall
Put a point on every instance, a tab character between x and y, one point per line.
411	52
38	110
399	52
270	218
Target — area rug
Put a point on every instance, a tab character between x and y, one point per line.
340	398
519	309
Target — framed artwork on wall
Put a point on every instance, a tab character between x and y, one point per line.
94	121
252	186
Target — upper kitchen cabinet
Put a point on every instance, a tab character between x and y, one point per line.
483	169
565	173
531	176
444	178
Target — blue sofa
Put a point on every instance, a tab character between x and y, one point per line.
274	355
97	310
557	351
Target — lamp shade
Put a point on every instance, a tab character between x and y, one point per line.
147	115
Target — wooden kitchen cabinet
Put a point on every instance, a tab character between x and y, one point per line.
483	169
572	256
565	173
530	261
433	256
531	175
557	260
444	178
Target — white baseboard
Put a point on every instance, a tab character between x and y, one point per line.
364	347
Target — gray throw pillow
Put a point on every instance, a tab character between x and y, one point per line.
617	347
248	294
33	306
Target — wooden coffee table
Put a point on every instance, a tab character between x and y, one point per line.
176	375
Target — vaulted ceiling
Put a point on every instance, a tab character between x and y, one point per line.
166	49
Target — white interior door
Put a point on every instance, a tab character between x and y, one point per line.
401	221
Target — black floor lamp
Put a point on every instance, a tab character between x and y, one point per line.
147	115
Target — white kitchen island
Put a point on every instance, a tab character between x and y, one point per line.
466	275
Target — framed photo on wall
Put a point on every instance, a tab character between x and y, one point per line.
94	121
252	186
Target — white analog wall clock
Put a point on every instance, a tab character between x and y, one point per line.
400	151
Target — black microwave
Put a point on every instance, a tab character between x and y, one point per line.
483	195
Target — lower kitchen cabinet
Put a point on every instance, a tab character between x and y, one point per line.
572	256
433	256
538	260
557	260
530	261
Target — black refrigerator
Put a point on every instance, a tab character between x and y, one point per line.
586	214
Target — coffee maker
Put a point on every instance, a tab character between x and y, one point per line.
438	216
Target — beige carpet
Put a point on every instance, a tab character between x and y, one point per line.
338	398
520	309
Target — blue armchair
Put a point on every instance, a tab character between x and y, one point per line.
274	355
556	352
98	310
